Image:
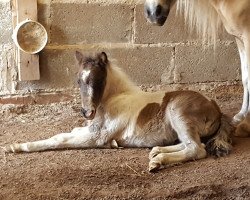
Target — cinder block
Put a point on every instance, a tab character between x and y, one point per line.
57	68
146	65
5	22
73	23
43	15
195	64
174	30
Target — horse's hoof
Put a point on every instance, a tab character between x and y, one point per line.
154	166
237	119
242	130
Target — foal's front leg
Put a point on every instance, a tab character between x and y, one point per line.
78	138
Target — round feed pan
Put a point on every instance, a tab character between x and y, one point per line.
30	36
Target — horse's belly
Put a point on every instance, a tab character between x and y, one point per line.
234	15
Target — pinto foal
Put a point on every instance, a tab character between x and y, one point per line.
119	114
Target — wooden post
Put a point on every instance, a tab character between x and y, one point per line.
28	64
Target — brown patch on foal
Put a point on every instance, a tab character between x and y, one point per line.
155	110
150	111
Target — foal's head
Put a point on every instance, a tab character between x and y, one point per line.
91	80
156	11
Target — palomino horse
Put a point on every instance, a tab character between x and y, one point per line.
119	114
207	16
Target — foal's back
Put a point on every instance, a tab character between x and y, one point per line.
179	109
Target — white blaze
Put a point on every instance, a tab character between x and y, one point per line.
85	74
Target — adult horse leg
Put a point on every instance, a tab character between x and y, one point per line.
244	74
243	129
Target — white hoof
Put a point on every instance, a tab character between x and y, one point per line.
154	166
238	118
154	152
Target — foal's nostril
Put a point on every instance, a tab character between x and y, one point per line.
88	113
148	12
83	111
158	11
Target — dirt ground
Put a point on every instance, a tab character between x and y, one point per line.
109	174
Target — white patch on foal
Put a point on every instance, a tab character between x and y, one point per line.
85	74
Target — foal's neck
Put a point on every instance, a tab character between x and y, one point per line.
117	83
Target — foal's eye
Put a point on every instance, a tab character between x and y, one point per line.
79	81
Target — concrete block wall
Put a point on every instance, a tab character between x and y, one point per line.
151	55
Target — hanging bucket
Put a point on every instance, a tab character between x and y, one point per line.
30	36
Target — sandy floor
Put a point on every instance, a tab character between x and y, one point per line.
109	174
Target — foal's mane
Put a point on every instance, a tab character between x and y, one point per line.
201	15
117	81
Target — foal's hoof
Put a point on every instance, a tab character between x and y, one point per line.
154	166
6	149
243	129
154	152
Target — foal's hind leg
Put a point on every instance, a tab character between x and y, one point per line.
190	148
190	152
168	149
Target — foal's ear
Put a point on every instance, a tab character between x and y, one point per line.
103	58
79	56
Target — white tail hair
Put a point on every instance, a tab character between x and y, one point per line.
201	15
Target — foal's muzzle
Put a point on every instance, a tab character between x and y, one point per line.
88	114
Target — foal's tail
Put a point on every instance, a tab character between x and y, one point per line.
221	143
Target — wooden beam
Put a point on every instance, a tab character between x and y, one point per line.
28	64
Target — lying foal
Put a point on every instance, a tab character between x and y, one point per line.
121	115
